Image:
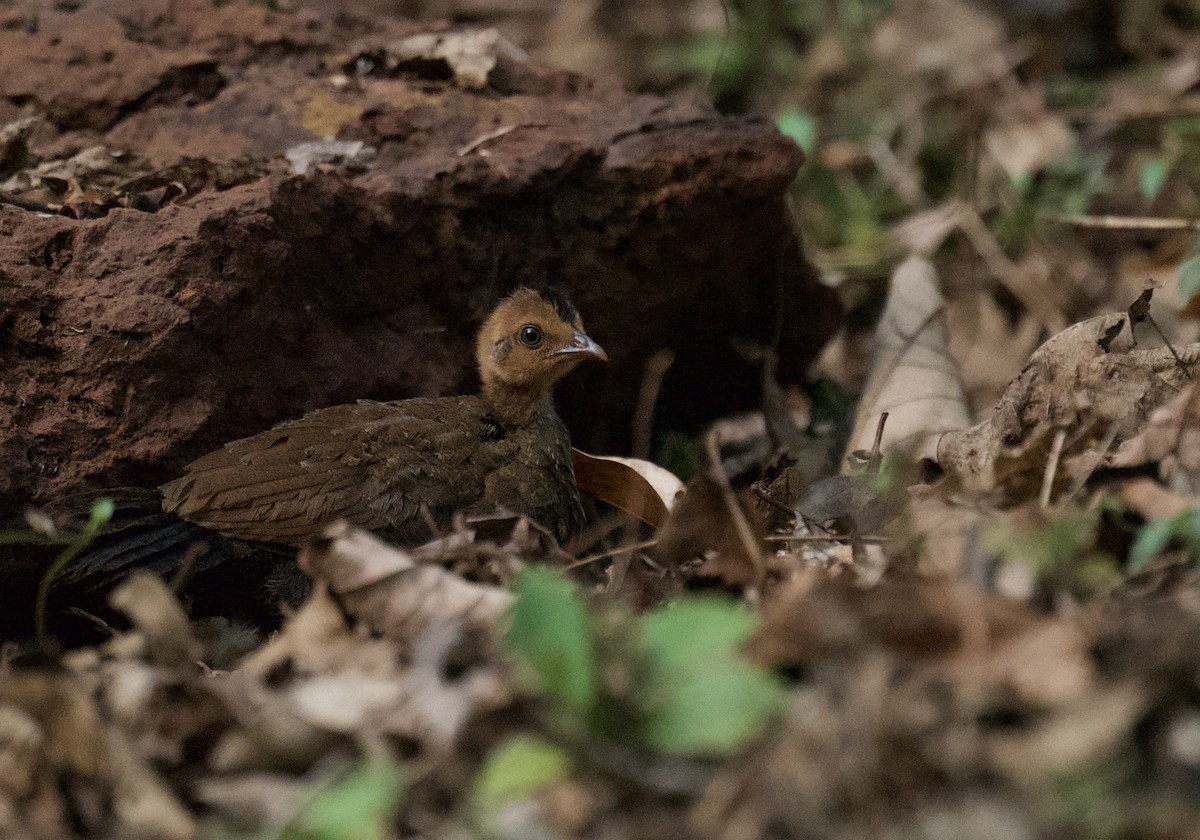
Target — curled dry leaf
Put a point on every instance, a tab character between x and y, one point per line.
1088	381
386	587
638	487
1081	735
1170	440
702	525
470	54
321	680
913	377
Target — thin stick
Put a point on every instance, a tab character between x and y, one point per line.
1182	365
876	458
1128	222
1060	437
193	553
643	416
479	141
741	524
1110	438
819	538
26	204
594	533
611	553
1007	272
766	497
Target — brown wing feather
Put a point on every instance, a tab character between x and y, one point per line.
372	463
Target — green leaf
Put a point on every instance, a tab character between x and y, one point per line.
1157	534
1189	279
694	631
1154	174
799	126
362	806
550	632
515	771
708	700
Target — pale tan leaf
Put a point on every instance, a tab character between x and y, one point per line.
638	487
149	604
1027	146
386	587
913	378
1153	501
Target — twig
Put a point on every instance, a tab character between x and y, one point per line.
816	538
193	553
26	204
1126	222
1056	448
876	459
612	553
763	495
643	416
741	524
484	138
1007	272
1110	437
594	533
1178	361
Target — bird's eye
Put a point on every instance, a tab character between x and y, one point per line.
530	335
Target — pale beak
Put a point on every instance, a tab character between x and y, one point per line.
581	343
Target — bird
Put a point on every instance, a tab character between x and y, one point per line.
401	469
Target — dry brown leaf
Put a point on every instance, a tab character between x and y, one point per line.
638	487
143	804
913	377
1153	501
1081	735
701	525
946	531
154	611
260	803
1170	440
989	346
1085	383
386	587
956	44
324	115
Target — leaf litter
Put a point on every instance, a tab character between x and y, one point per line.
984	624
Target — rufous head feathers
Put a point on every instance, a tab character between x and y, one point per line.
530	341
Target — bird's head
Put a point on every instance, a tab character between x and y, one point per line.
530	341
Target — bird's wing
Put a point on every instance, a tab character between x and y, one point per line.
374	464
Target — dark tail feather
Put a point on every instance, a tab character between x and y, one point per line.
220	576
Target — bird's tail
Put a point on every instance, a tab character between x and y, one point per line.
214	575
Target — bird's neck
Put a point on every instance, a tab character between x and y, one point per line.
514	406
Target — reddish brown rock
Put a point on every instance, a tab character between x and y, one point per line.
135	341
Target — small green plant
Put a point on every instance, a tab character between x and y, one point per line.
1061	547
101	513
357	805
514	772
672	680
1159	534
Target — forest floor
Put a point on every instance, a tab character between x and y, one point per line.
935	578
